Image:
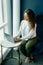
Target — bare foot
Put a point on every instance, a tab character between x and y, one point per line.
27	60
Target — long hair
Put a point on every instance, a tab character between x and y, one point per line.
31	16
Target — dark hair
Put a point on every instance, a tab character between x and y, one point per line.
31	16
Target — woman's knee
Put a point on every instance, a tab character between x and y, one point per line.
27	46
23	44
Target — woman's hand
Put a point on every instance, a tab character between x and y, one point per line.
17	39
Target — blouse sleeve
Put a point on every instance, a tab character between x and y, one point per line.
31	33
19	32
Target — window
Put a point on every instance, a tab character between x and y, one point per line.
5	14
1	22
5	18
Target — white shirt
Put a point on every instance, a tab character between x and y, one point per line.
26	31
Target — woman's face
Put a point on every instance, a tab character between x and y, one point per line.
26	16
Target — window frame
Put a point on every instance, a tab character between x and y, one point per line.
3	24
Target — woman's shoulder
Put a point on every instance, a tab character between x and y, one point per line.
35	25
24	21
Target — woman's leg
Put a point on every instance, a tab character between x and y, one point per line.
29	45
22	47
28	48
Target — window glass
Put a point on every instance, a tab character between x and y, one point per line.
1	22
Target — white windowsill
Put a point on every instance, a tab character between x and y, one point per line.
3	25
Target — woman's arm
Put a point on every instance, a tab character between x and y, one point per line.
19	32
17	38
31	33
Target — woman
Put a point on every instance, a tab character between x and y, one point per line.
28	32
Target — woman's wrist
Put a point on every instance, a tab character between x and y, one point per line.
19	39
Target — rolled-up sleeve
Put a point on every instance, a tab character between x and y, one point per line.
19	32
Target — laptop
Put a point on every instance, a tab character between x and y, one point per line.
9	37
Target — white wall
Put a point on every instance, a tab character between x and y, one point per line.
16	16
